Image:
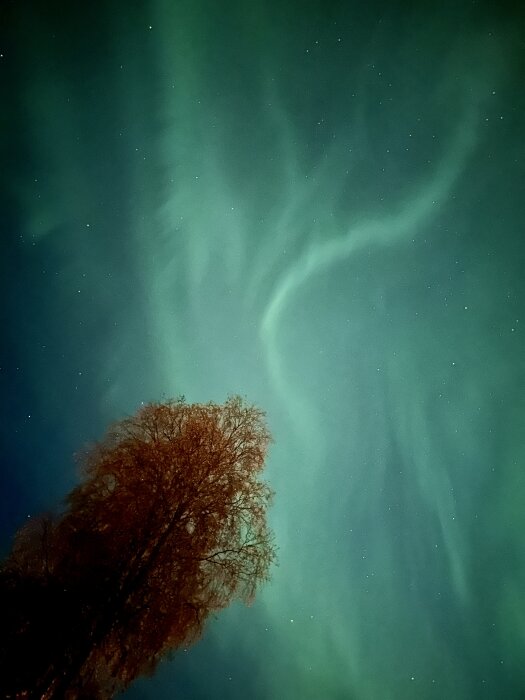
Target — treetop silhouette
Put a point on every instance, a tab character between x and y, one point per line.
167	527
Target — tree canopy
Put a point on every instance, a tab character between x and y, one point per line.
167	527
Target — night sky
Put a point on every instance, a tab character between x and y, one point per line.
319	206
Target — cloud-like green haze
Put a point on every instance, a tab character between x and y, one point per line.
317	207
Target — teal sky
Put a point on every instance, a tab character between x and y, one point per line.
319	206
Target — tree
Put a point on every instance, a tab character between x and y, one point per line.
167	527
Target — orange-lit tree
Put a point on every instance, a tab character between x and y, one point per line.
168	526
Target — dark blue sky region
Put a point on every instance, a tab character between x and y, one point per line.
318	206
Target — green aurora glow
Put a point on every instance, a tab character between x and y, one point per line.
321	208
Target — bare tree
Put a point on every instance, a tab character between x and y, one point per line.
168	526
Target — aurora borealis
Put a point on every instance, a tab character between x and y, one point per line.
319	206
